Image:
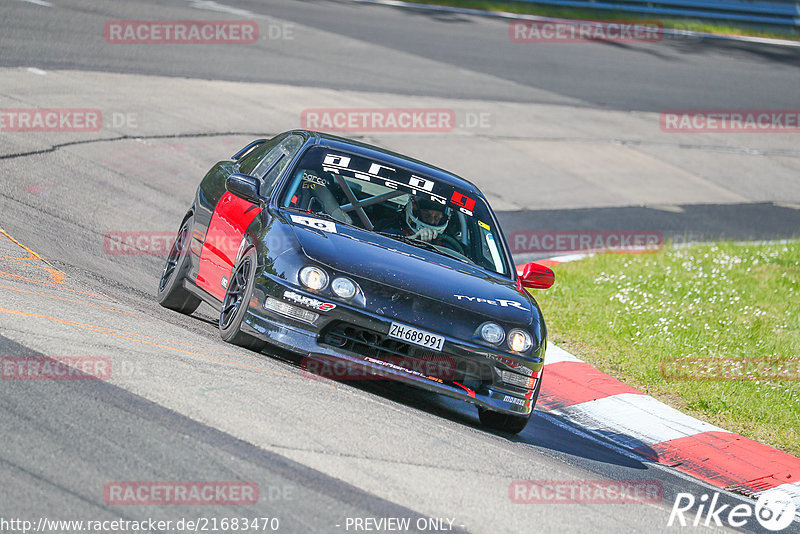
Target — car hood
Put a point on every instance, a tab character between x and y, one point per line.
414	271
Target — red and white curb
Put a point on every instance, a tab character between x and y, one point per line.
636	422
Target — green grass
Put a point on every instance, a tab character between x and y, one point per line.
602	14
639	317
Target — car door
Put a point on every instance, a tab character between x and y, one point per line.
233	216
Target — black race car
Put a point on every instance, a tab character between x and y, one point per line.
345	252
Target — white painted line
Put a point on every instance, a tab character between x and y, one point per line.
519	16
555	354
34	70
38	3
209	5
633	420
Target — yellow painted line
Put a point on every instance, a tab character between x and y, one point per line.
13	276
55	274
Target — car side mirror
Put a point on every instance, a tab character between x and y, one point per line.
244	186
536	276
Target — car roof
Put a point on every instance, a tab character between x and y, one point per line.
371	151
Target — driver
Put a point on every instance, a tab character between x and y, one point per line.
422	219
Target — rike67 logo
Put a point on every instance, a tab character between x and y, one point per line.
774	510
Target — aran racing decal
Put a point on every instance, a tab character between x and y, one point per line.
308	301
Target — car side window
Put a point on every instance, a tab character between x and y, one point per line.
273	165
255	156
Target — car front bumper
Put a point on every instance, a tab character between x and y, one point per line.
289	332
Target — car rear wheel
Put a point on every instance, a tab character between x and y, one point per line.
171	293
237	299
512	424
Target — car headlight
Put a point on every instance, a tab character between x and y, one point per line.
492	333
344	288
519	340
313	278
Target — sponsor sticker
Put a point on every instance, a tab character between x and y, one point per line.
313	179
308	301
462	201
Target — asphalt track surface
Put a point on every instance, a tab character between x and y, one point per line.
184	406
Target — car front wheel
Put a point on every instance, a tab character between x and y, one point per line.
512	424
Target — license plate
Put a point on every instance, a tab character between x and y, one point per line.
409	334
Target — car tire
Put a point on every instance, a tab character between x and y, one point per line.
509	423
236	301
171	293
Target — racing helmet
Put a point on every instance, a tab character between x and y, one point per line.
415	218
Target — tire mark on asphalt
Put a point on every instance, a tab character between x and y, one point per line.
59	146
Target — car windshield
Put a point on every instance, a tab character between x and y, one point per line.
397	203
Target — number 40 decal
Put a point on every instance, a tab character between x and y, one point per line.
319	224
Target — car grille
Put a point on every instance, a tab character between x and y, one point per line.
381	347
